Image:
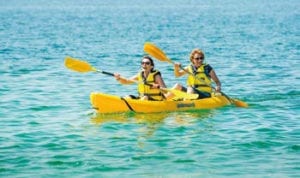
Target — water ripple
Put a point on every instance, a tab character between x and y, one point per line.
48	127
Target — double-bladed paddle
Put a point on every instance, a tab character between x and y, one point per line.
83	67
157	53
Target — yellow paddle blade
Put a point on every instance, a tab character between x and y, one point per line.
154	51
240	103
78	65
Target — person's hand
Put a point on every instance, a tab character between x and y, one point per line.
155	85
117	76
177	65
218	88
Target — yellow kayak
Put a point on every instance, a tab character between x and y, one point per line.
105	103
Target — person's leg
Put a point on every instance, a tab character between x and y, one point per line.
131	97
202	94
144	98
190	90
170	95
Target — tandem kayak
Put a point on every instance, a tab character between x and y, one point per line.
106	103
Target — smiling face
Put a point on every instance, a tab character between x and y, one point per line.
197	57
146	64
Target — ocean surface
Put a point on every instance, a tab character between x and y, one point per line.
49	129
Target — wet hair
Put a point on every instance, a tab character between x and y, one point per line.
196	51
150	59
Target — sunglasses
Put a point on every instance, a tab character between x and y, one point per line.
199	58
147	63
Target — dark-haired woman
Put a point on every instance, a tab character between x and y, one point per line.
149	81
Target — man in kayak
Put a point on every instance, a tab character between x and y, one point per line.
149	81
200	76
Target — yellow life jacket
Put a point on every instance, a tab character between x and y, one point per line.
200	79
145	88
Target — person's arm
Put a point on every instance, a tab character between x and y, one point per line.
160	82
123	80
178	72
215	78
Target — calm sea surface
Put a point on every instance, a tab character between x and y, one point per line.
47	125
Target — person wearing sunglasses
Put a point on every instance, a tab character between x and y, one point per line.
149	81
200	76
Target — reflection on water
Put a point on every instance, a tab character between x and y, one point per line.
153	120
189	118
148	124
150	121
100	119
181	118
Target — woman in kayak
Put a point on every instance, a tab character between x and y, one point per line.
149	81
200	76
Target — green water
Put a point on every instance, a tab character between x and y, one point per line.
48	128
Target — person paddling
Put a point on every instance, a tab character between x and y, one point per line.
149	81
200	75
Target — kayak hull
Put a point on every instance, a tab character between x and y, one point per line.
106	103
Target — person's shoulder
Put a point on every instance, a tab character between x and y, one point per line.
208	66
188	66
155	71
207	69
